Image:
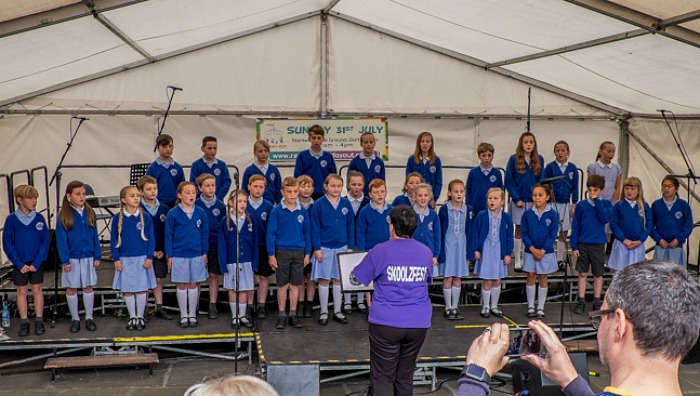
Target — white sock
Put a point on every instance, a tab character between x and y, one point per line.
347	298
323	298
241	309
456	291
233	307
192	300
130	305
561	246
541	297
517	246
73	306
485	297
337	298
141	299
182	302
89	302
360	297
495	295
447	293
530	292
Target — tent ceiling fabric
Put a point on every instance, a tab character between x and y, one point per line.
602	50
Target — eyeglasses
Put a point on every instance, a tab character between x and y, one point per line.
596	316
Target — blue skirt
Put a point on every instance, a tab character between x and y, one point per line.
189	269
677	255
491	266
546	266
133	277
82	274
621	257
245	281
328	269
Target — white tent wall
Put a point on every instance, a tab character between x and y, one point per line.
656	135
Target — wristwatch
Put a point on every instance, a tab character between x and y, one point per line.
476	373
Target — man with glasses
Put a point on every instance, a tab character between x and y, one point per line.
649	320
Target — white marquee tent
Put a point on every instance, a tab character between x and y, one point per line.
599	70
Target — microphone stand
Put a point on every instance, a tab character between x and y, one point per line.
57	177
167	110
238	283
684	154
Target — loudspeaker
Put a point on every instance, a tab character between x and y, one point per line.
693	355
298	379
530	378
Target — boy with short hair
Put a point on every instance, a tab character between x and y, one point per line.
306	190
167	172
208	163
315	162
482	178
215	210
307	290
358	200
25	240
288	249
588	239
261	166
148	187
367	162
259	210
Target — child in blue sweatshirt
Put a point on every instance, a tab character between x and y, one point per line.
148	187
79	250
427	164
368	162
208	163
482	178
565	191
412	180
358	200
332	232
166	171
132	246
315	162
236	231
261	166
631	224
540	226
25	240
215	210
307	291
259	210
288	249
588	239
673	223
187	245
428	231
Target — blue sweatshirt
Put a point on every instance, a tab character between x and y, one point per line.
332	227
260	218
519	185
26	243
401	200
505	235
227	244
478	186
428	232
132	244
676	223
158	215
588	224
432	173
215	212
540	231
372	227
168	179
564	190
220	172
626	223
185	237
79	242
316	168
288	229
443	214
376	170
273	182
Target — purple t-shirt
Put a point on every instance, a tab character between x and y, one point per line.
402	270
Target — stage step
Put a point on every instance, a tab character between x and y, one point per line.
72	362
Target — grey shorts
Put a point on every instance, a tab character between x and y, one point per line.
290	267
591	256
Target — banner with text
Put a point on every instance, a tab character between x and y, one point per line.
287	137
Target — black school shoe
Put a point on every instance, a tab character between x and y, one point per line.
340	318
39	328
74	326
295	323
309	310
161	314
90	325
24	329
282	322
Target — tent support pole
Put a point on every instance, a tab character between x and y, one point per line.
324	65
624	140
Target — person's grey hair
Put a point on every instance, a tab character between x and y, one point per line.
232	385
663	304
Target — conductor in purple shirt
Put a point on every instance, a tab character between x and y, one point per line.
399	317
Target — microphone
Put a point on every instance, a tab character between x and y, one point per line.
174	88
551	180
81	118
662	111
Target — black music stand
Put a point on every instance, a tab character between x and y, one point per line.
137	171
